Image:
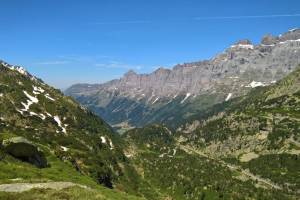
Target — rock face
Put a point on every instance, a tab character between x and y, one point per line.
136	98
24	150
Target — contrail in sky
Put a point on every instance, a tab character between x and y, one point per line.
200	18
248	16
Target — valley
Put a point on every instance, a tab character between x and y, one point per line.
226	128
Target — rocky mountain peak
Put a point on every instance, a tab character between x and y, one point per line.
130	73
293	34
161	70
269	40
243	42
17	68
294	30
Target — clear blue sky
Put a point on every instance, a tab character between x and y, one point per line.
65	42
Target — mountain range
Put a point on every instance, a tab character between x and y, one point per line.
226	128
173	96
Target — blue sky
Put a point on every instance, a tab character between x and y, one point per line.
65	42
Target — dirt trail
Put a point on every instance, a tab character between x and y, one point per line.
22	187
234	168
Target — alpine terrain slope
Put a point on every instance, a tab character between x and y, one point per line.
173	96
249	150
47	140
258	132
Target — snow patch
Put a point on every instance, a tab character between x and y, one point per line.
103	140
128	155
243	46
56	118
32	98
268	45
288	41
49	97
42	116
27	106
111	145
186	97
255	84
33	114
228	97
162	155
174	152
155	100
38	90
64	148
21	70
293	29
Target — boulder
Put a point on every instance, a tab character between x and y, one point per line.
24	150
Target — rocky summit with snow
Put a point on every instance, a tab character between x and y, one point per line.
140	99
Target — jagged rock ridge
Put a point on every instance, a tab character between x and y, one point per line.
229	74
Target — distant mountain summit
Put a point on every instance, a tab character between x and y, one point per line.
165	94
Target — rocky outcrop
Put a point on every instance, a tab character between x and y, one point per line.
24	150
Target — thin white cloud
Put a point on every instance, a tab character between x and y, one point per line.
83	58
118	65
248	16
54	62
123	22
198	18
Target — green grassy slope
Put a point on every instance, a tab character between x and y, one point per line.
80	147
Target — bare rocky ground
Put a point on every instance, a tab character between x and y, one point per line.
22	187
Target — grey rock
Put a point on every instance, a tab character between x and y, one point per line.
24	150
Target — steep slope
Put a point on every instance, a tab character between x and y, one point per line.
171	96
181	173
258	132
46	136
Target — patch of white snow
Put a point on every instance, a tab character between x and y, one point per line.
155	100
64	148
56	118
103	140
49	97
32	98
255	84
186	97
228	97
243	46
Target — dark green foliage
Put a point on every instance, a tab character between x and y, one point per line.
283	169
180	175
